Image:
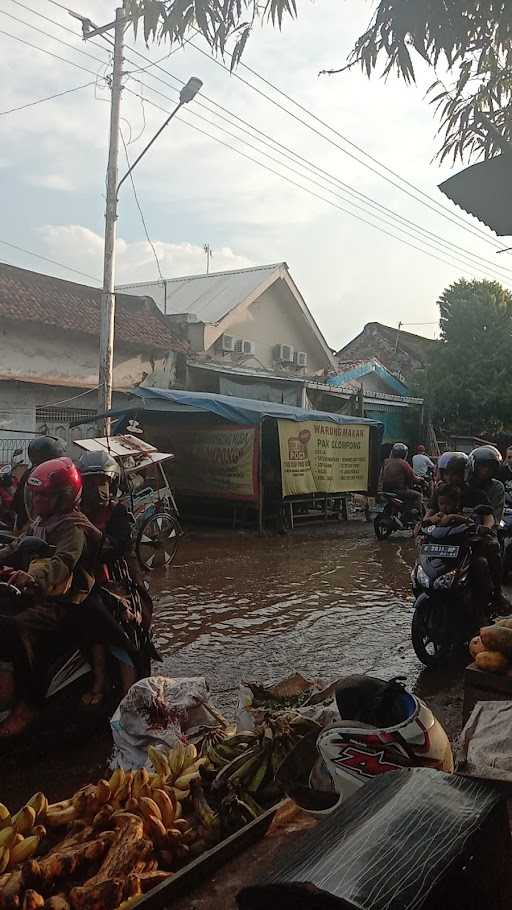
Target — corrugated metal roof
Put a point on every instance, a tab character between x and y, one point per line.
212	297
484	190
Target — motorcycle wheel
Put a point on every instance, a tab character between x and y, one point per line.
382	531
428	635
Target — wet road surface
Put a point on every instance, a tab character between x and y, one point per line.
235	607
243	608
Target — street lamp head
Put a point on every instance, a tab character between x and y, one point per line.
190	90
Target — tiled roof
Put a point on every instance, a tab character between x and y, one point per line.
395	349
27	296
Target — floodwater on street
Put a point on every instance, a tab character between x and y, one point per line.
236	607
239	607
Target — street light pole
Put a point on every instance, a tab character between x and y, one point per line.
108	297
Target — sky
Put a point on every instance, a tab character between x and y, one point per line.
194	189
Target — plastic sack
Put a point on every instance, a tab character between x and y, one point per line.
158	710
311	699
483	749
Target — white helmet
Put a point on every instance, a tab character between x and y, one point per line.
391	729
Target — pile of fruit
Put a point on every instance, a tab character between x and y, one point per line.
492	649
115	840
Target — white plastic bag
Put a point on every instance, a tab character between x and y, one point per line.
484	748
158	710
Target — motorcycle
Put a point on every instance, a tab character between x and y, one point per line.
68	674
447	614
394	515
505	539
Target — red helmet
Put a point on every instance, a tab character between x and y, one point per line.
53	488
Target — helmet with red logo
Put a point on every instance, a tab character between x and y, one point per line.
53	488
386	728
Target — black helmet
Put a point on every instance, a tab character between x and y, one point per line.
456	462
399	450
45	448
101	463
485	455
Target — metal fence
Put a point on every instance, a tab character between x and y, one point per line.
9	445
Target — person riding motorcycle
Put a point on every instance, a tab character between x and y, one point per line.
40	449
484	466
505	475
398	477
32	635
118	589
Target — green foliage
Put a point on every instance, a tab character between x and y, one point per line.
219	21
468	384
474	39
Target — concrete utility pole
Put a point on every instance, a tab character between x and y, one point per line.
108	297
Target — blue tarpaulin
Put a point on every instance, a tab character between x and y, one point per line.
235	410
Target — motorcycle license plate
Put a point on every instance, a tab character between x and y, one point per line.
445	551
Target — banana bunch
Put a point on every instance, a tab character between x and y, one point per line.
21	834
247	763
175	768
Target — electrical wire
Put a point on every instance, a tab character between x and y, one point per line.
303	176
139	206
309	165
43	50
45	259
445	211
49	35
68	91
367	200
452	264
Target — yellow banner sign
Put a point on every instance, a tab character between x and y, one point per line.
319	457
219	462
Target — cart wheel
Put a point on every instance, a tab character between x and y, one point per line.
157	541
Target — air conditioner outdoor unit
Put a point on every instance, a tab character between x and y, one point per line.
227	343
301	359
249	347
284	353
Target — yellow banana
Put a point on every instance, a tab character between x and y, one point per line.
103	791
182	824
24	820
179	795
21	852
18	838
190	755
176	760
155	829
140	779
183	782
166	806
32	900
117	780
7	837
62	804
129	902
159	761
5	856
58	817
39	831
39	804
148	807
178	811
5	816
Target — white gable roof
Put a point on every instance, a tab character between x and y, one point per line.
211	297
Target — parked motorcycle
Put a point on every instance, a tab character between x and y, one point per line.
447	610
394	515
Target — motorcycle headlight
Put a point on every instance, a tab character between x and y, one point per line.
422	577
444	582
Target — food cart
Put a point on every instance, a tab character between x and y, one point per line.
146	492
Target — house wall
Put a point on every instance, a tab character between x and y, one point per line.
43	354
273	318
27	408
